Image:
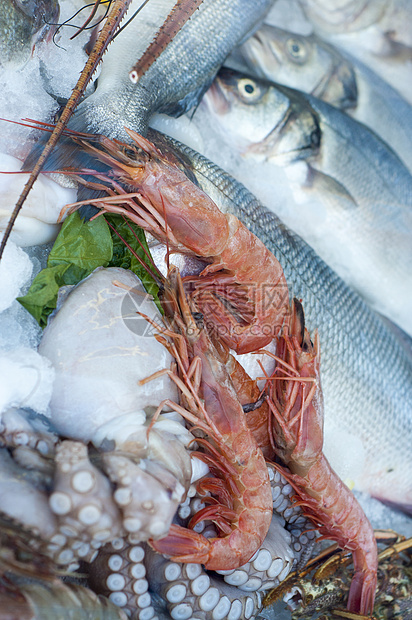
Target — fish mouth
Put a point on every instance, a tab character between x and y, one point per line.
216	100
254	52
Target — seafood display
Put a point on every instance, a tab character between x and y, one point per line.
352	335
353	214
302	452
180	370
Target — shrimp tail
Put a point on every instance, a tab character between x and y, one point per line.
183	545
363	586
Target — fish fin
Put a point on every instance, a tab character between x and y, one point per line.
67	154
191	100
333	193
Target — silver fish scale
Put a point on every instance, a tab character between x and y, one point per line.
180	75
366	373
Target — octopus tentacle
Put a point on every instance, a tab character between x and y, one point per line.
270	564
303	535
21	501
45	600
147	503
17	429
191	592
119	573
82	502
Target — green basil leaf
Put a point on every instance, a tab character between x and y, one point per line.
85	244
135	238
41	298
80	247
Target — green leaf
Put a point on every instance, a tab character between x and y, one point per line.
79	249
41	298
124	257
85	244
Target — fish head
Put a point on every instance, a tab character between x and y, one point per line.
285	57
266	121
335	16
304	62
245	108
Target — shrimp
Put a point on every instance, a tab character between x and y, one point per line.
253	403
241	502
297	430
245	301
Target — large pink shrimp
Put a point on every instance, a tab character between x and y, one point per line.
241	500
297	431
243	289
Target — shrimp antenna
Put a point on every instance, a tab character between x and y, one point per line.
178	16
79	29
90	17
115	16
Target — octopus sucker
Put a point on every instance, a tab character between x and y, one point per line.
119	573
191	592
82	502
142	497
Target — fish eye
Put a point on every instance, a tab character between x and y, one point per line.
296	49
248	90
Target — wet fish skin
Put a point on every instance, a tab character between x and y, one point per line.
178	78
22	23
391	19
366	372
317	68
360	194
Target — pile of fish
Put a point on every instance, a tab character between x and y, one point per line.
97	472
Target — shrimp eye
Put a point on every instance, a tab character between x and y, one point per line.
248	90
296	50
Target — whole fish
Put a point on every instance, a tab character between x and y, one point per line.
313	66
180	75
356	194
22	24
391	19
366	373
